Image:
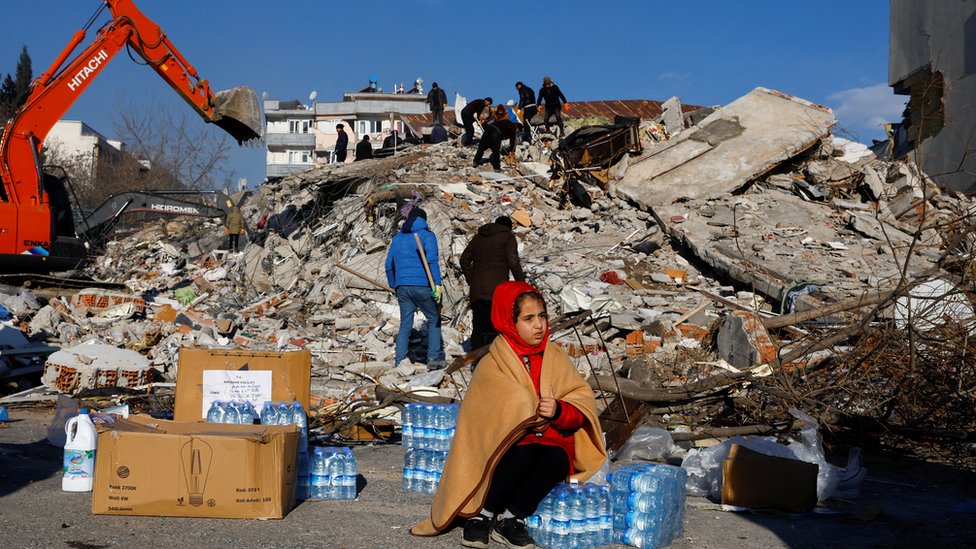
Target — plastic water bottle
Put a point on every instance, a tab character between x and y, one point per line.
303	477
425	474
561	518
436	469
410	470
79	453
248	413
216	412
577	515
320	480
349	475
606	516
232	414
407	419
284	413
269	414
592	505
301	420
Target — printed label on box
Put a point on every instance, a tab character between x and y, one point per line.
224	385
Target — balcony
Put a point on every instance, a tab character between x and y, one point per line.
281	170
291	140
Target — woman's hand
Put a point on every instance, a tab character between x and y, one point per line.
547	407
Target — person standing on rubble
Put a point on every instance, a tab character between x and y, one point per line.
552	97
406	273
527	422
437	100
468	114
342	143
364	150
528	107
234	226
486	262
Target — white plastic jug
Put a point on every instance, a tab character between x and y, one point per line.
79	453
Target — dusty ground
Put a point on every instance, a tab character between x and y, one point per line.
904	503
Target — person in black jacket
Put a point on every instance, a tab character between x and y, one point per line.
468	114
552	97
364	150
486	262
342	143
528	107
495	132
392	140
437	99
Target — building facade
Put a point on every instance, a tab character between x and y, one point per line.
933	61
78	144
300	136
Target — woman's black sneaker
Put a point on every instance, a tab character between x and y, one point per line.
476	531
512	533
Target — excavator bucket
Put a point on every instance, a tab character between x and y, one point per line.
238	112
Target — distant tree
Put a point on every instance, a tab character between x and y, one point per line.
23	77
8	97
14	90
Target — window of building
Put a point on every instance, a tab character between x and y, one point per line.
298	126
299	157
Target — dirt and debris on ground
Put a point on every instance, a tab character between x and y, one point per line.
742	264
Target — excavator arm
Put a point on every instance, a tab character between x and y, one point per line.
27	219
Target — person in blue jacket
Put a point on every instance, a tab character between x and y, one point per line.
405	273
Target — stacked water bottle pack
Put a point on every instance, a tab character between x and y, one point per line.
648	504
272	413
334	472
428	430
573	515
232	411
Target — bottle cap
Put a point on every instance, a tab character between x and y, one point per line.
83	411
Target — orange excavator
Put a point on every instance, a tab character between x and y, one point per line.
37	228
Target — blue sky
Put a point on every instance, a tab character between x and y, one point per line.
831	52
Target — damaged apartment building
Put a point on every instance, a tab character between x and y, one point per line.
933	62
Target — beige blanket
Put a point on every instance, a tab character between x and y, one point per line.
499	409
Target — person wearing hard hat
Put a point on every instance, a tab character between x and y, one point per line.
552	97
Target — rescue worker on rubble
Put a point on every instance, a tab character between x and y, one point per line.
468	114
364	149
342	144
437	100
234	226
528	106
553	99
406	273
499	129
486	262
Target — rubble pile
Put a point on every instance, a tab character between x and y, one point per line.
735	269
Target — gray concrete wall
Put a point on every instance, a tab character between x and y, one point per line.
943	33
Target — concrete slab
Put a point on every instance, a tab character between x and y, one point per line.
732	146
772	242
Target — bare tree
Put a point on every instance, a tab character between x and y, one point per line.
178	149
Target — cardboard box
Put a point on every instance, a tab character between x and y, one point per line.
146	466
206	375
753	479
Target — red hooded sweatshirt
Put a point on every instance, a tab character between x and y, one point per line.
568	419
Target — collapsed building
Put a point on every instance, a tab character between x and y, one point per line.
731	263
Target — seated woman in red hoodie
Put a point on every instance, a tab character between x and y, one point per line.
528	422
